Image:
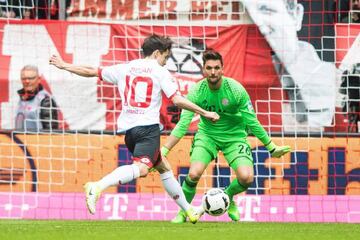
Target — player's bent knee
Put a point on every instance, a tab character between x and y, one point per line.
249	181
144	173
163	166
246	180
194	176
245	175
144	170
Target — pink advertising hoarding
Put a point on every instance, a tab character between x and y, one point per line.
274	208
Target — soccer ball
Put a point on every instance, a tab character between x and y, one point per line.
215	202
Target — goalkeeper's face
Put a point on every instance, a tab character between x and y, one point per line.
213	71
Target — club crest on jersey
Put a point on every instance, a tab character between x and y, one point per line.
225	101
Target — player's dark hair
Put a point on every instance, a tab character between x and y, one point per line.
211	55
155	42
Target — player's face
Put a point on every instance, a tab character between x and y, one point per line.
30	80
213	71
163	57
356	5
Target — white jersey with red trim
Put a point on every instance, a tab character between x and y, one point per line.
140	83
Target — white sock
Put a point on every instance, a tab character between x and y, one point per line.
120	175
173	188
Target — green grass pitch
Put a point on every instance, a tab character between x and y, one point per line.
141	230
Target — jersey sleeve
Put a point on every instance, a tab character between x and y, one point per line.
111	74
182	126
168	84
185	117
249	115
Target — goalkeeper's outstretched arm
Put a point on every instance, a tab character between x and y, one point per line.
178	132
81	70
277	151
171	141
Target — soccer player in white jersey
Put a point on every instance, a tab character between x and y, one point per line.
141	83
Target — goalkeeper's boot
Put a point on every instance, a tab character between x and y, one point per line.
194	214
233	211
180	217
93	193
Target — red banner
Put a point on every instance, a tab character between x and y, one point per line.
88	103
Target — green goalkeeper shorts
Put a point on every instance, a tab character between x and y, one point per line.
237	152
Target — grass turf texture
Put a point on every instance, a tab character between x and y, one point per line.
30	229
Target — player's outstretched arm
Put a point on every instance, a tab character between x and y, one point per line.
84	71
277	151
178	132
188	105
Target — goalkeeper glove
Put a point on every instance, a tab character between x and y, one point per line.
277	151
164	151
152	169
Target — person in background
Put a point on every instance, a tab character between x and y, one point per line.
10	8
36	109
355	11
43	9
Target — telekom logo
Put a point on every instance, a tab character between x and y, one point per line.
248	206
115	203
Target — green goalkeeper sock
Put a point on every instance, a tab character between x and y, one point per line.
189	188
234	188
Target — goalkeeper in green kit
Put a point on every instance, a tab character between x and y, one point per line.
229	99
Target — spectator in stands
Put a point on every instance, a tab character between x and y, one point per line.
343	9
55	9
43	9
36	110
355	11
355	4
10	8
349	12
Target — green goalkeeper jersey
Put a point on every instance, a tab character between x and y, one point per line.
232	103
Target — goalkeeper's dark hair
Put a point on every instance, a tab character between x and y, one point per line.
212	55
156	42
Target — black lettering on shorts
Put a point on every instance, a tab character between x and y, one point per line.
244	148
